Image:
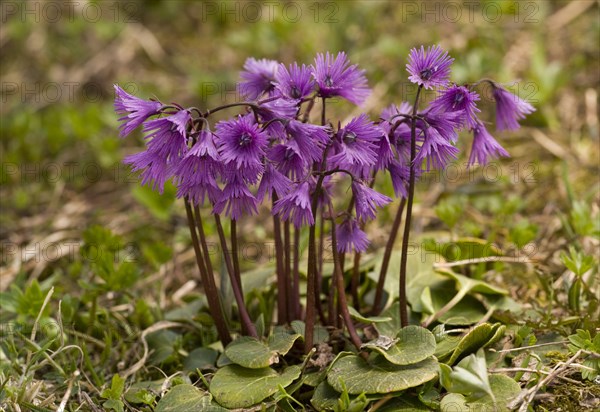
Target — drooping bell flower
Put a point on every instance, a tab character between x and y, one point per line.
366	200
510	108
296	206
350	237
484	146
134	111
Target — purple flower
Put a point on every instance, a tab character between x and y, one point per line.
350	237
429	68
295	83
391	113
436	150
205	146
398	134
296	206
384	152
272	181
400	175
257	78
439	131
461	99
484	146
280	108
366	200
288	159
336	77
134	110
167	144
195	174
356	144
242	143
167	136
310	138
153	167
236	200
509	109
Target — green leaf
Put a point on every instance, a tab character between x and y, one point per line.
394	325
469	377
379	376
114	404
259	279
474	285
251	353
234	386
187	397
200	358
281	341
164	344
412	344
462	248
498	330
467	311
522	233
419	276
320	333
577	262
476	338
372	319
325	398
160	205
140	392
449	210
116	388
504	389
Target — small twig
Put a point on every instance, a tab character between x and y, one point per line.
380	403
528	370
507	259
532	346
156	327
67	395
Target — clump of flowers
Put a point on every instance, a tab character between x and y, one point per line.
272	154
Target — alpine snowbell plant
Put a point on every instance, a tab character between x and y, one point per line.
271	154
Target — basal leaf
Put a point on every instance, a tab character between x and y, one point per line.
472	341
187	397
251	353
237	387
412	344
379	376
372	319
281	341
325	398
200	358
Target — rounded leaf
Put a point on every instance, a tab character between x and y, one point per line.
412	344
379	376
236	387
186	397
251	353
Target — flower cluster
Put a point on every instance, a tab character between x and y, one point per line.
272	153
